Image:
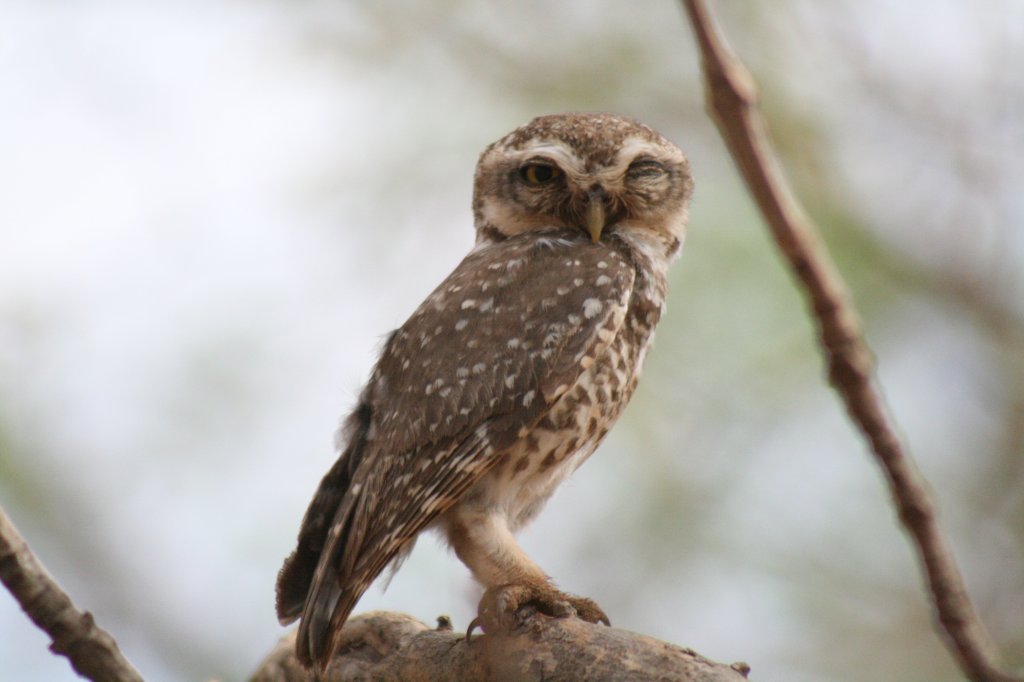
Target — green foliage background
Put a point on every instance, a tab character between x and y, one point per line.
211	212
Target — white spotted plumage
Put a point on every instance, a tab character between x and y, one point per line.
507	377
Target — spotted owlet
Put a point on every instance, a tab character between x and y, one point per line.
507	376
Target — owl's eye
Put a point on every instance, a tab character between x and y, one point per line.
648	169
539	173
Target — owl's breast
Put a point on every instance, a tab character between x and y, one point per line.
530	471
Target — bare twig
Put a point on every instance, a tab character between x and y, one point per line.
93	653
732	102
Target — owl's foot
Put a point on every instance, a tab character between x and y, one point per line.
500	606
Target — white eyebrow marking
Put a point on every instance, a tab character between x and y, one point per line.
633	147
562	154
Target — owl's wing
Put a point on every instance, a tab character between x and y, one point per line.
472	371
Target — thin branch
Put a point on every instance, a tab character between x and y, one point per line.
93	653
732	102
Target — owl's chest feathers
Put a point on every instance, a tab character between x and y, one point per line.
519	485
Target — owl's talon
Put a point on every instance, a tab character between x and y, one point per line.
473	625
588	610
503	608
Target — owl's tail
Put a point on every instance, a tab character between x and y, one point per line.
333	593
296	575
309	584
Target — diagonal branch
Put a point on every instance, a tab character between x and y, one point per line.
732	102
93	653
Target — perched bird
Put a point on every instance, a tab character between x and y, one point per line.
505	379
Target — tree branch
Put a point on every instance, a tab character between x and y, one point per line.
394	647
93	653
732	102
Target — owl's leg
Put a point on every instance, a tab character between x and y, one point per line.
511	579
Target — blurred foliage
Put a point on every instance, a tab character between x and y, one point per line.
734	510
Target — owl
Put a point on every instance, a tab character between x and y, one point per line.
505	379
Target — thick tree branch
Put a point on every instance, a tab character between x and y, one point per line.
732	103
92	651
393	647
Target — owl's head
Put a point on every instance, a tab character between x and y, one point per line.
596	173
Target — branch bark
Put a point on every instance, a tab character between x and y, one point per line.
394	647
93	653
732	103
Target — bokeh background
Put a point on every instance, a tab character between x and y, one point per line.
212	211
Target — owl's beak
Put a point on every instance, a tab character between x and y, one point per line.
596	212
